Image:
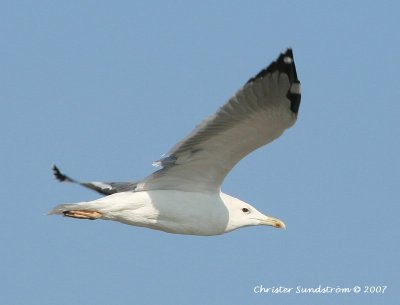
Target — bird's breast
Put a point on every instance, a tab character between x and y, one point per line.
189	212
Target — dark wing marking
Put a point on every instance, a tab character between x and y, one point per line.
104	188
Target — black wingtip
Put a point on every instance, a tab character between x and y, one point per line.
285	64
59	175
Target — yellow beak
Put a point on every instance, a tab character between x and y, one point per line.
274	222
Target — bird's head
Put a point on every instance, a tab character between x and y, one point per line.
242	214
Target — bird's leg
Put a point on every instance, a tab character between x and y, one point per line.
83	214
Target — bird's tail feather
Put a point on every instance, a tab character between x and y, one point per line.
62	208
80	211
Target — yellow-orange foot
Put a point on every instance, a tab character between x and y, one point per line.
83	214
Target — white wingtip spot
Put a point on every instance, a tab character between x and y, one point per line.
295	88
102	185
287	60
157	163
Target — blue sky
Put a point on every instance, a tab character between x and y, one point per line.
105	88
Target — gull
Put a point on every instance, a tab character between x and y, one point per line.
184	196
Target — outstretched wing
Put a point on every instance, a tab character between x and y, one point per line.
104	188
256	115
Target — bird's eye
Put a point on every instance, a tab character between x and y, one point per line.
245	210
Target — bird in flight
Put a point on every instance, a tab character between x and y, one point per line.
184	196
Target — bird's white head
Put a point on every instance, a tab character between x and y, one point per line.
242	214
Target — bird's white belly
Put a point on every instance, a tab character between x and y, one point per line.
168	210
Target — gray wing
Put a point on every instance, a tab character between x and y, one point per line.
256	115
104	188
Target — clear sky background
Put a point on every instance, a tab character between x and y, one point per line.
103	88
